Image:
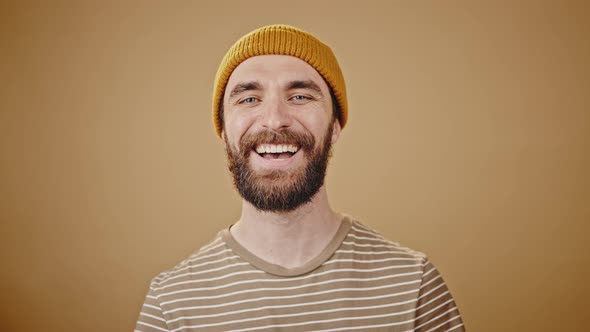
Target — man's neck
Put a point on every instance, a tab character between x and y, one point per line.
288	239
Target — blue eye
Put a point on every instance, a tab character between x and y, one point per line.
249	100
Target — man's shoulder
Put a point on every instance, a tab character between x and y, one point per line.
364	237
211	253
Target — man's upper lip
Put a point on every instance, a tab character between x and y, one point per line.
276	148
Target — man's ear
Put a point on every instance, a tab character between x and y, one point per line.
336	129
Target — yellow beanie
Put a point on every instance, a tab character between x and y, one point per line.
284	40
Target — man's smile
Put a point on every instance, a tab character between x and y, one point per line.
276	151
276	156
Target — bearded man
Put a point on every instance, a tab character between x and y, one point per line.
290	262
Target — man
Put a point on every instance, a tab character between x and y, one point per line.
290	262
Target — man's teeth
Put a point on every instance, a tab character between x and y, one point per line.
276	148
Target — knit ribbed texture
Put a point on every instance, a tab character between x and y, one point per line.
281	40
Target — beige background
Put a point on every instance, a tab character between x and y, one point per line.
469	139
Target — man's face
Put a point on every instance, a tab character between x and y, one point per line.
278	130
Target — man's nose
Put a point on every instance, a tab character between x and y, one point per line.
276	115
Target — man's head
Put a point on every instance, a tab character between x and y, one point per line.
279	112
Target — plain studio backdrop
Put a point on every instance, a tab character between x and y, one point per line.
468	139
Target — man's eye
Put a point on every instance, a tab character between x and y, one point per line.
300	97
249	100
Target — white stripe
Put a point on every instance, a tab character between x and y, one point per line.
357	327
388	324
192	258
203	272
198	258
434	309
295	278
295	315
437	317
327	321
168	275
452	328
299	278
397	249
278	307
341	251
360	230
372	239
432	290
429	281
209	245
436	327
360	327
152	326
352	260
368	298
216	269
195	266
429	271
151	306
288	288
370	245
312	275
200	253
152	316
365	227
289	280
218	278
434	299
367	230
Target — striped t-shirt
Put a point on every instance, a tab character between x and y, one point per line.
360	282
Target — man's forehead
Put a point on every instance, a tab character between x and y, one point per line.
278	68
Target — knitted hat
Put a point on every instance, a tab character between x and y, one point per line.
284	40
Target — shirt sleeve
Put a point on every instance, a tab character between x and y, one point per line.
436	310
151	317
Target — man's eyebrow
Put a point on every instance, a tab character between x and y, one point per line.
307	84
244	86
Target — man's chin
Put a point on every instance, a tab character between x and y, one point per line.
276	173
277	179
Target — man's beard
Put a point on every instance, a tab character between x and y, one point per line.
280	190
